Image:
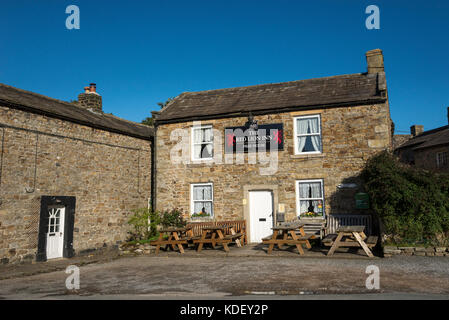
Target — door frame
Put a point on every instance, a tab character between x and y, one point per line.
69	222
246	214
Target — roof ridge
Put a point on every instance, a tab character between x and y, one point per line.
274	83
39	95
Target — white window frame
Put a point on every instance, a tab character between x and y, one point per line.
192	201
440	165
298	206
295	136
192	143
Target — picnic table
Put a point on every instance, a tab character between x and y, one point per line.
350	236
286	234
175	237
215	235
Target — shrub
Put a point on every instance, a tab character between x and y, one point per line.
144	223
412	203
172	218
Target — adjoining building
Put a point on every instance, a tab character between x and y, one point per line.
272	152
70	175
426	149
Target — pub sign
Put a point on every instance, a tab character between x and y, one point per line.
253	137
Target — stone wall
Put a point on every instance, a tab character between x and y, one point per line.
416	251
427	158
108	173
350	135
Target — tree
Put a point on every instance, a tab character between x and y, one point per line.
149	121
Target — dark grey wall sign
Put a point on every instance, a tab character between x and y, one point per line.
253	138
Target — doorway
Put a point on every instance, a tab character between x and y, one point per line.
56	226
261	215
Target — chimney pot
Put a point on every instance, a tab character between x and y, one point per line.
90	99
375	61
416	129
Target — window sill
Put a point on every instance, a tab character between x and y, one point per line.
307	156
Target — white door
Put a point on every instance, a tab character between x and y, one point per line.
55	232
261	214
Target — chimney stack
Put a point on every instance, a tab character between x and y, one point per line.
416	129
447	115
90	99
375	61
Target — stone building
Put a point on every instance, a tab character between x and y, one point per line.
69	175
272	152
426	149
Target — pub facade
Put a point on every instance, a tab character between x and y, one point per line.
273	152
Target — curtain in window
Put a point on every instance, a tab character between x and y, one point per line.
302	127
310	190
313	125
202	192
207	135
316	189
197	136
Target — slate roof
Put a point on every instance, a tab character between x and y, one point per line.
359	88
427	139
36	103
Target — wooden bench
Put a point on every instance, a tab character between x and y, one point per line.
314	227
239	227
351	236
371	241
174	237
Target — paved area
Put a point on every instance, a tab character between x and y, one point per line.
216	275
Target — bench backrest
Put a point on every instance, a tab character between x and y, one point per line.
239	226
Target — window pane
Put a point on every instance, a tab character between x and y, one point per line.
197	206
197	151
202	192
208	207
207	135
206	151
310	190
313	125
197	135
205	206
311	206
302	126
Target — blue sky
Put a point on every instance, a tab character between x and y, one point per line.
143	52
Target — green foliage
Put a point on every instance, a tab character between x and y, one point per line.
149	121
172	218
412	203
144	223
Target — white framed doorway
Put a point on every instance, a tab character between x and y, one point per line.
260	214
55	232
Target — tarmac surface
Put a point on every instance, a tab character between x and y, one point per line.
242	274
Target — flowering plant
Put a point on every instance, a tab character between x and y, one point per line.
311	214
201	214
